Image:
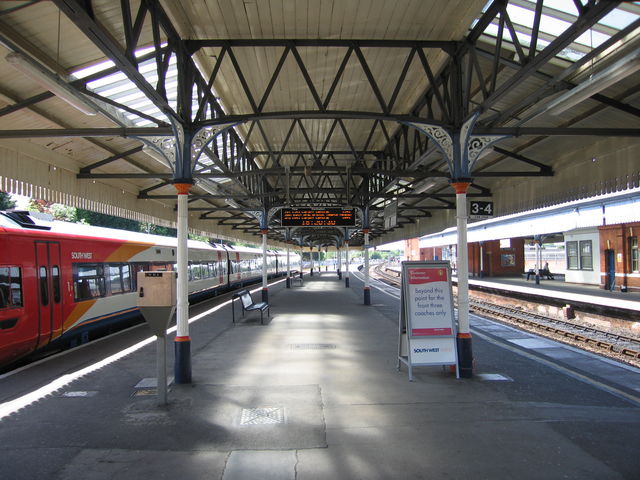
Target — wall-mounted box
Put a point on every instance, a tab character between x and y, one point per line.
157	289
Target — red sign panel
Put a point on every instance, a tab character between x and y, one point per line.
427	275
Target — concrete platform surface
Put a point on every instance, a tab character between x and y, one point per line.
315	394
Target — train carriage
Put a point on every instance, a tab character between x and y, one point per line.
62	282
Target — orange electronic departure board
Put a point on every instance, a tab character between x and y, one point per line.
324	217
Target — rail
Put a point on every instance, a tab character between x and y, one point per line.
620	347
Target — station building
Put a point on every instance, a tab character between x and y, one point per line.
591	242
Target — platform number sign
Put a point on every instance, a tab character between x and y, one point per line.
481	209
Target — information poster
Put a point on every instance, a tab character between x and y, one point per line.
427	329
429	299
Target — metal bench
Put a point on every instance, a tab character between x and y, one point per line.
249	305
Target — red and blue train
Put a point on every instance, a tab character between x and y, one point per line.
63	283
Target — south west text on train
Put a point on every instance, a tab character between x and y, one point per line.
62	282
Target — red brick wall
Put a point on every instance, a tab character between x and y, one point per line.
430	253
492	258
412	249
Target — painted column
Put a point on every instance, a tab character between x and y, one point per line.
346	264
339	263
461	149
182	370
301	258
311	257
367	285
265	284
288	281
465	354
538	258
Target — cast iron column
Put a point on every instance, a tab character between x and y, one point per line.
265	283
346	264
288	281
182	370
367	286
465	354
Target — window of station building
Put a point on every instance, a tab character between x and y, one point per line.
572	256
10	287
89	281
633	254
586	255
580	255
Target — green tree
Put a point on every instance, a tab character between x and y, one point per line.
108	221
56	210
6	203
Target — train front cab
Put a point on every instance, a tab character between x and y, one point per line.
31	295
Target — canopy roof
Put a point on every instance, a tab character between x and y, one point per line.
315	104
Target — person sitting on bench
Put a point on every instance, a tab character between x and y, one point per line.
545	272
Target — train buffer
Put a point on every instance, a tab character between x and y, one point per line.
248	305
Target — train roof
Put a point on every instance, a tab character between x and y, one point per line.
20	220
42	222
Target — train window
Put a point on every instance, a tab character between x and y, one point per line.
119	276
10	287
89	281
55	279
126	277
115	279
44	285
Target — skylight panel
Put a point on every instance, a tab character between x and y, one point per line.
592	39
619	19
520	15
565	6
106	81
86	72
553	26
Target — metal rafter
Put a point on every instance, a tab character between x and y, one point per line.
371	175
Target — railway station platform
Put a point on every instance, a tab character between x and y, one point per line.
558	289
596	293
315	394
585	299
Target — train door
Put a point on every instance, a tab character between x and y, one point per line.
49	291
220	269
238	267
610	268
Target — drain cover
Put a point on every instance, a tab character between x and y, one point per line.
262	416
312	346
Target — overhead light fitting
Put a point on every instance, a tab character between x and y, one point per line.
50	81
595	84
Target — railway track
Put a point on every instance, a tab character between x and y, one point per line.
608	343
